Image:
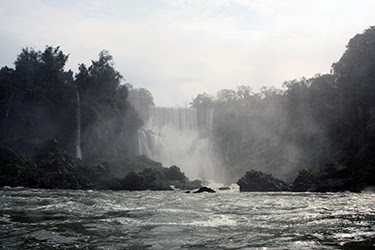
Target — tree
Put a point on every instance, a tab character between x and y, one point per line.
39	99
227	95
355	86
174	173
100	80
134	181
109	122
244	92
202	101
142	100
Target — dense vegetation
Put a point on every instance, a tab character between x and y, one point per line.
319	132
258	181
328	120
39	101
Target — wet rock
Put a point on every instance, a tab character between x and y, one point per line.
205	189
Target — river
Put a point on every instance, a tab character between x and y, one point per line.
35	218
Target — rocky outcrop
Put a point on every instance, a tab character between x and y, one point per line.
205	189
256	181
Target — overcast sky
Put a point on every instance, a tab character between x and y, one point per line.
180	48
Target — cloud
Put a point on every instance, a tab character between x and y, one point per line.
179	48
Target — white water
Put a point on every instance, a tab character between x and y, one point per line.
78	127
171	136
68	219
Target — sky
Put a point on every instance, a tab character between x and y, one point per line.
180	48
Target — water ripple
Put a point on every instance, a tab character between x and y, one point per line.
31	218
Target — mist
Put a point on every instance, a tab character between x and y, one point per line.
302	125
308	124
156	145
221	137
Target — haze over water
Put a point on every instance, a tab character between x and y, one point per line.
31	218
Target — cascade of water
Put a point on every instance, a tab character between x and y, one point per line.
171	137
210	118
150	144
180	118
5	124
78	127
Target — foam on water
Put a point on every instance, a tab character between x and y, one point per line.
172	219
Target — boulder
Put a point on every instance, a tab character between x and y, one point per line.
205	189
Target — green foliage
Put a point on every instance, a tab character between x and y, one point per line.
254	176
157	178
255	180
109	123
202	101
38	101
356	90
142	100
310	123
134	181
150	175
174	174
309	176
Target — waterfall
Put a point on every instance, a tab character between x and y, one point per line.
171	137
209	122
78	127
5	122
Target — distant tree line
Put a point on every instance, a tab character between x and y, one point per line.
309	124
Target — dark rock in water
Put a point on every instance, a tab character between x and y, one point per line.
254	181
188	185
205	189
187	192
224	188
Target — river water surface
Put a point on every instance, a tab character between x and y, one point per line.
35	218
